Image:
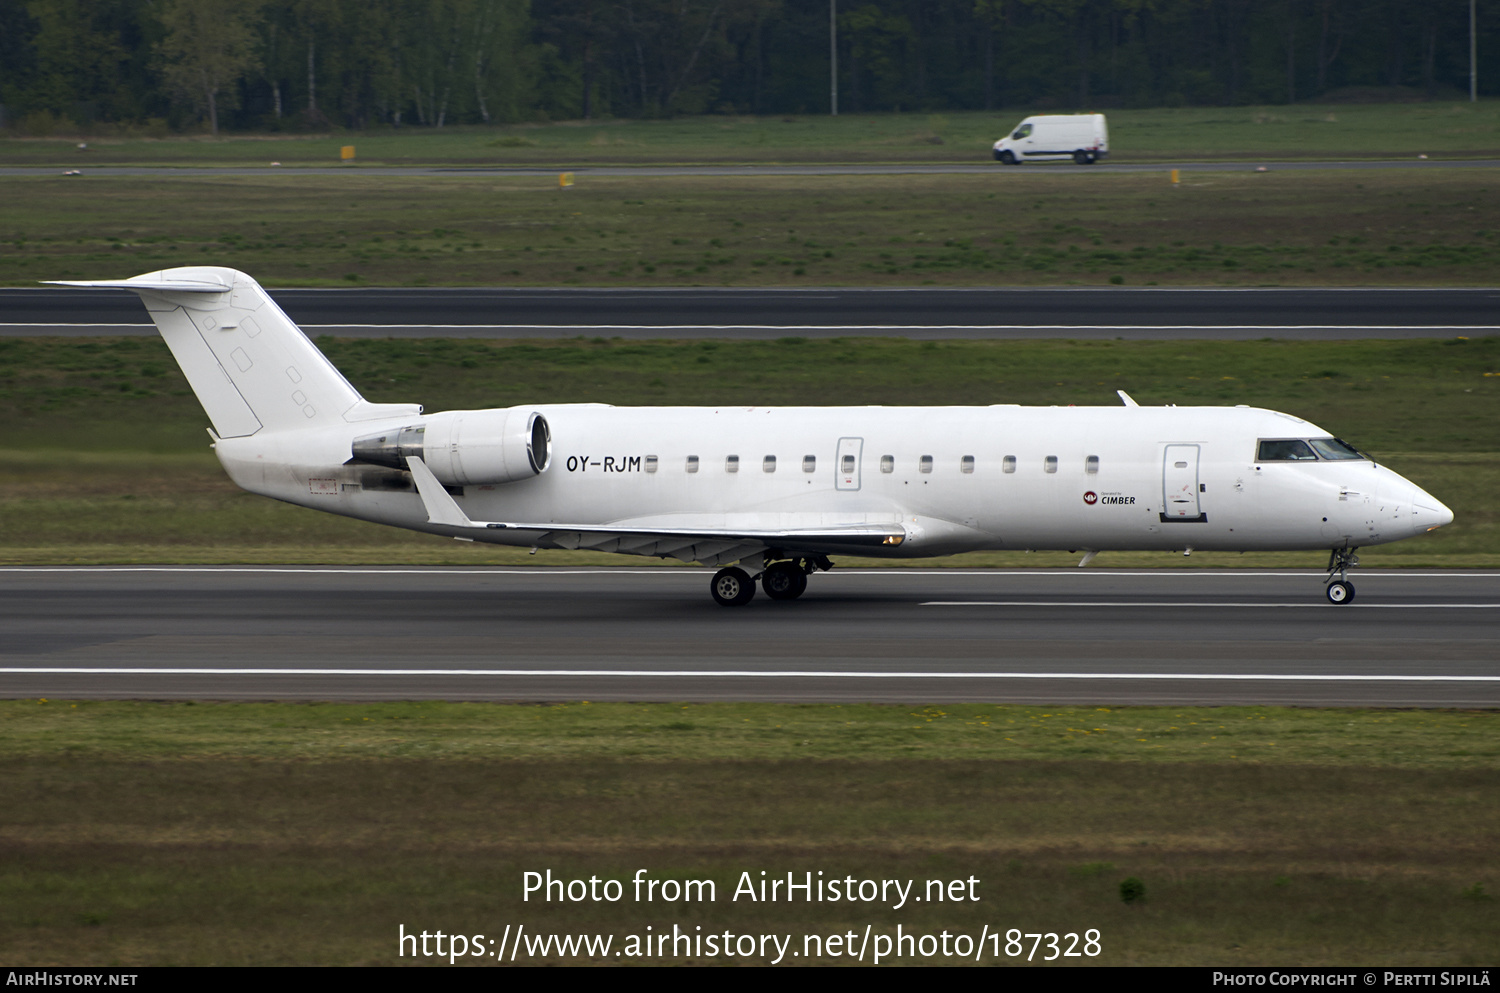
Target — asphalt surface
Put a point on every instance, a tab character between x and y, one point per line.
909	635
1063	168
1074	313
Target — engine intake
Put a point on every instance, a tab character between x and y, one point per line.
466	447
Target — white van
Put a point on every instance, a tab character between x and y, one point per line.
1084	138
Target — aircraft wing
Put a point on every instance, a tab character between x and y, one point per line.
711	545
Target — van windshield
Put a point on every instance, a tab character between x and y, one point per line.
1022	131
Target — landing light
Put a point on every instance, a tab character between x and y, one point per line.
894	539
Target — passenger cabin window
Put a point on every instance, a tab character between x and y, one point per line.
1022	132
1285	451
887	463
809	463
768	464
1050	464
966	464
924	464
846	464
1008	464
651	463
732	463
1091	465
692	463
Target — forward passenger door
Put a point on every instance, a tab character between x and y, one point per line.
1180	487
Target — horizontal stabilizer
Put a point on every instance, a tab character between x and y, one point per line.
151	281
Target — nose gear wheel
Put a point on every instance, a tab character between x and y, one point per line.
1340	590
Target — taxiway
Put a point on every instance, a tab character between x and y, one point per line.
914	312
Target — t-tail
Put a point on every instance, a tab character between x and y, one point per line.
251	367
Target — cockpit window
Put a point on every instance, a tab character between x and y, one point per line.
1334	449
1310	450
1285	451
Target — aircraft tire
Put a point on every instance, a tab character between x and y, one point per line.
784	581
732	587
1340	592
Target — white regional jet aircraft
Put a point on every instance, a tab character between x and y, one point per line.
767	493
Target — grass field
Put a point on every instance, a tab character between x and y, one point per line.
110	462
1318	131
1021	227
138	833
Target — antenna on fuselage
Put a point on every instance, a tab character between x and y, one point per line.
1126	397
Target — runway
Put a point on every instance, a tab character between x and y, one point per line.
921	313
1410	639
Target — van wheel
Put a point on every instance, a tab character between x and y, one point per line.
1007	157
1081	157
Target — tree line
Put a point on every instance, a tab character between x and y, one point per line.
311	64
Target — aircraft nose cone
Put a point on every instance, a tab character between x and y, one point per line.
1428	512
1433	516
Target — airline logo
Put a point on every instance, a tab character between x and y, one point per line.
1108	499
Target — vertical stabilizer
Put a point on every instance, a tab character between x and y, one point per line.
250	366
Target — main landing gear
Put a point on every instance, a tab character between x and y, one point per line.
785	580
1340	590
732	587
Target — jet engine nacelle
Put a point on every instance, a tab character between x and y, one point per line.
466	447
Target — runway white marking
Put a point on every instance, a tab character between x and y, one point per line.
746	673
324	570
833	327
929	327
1215	605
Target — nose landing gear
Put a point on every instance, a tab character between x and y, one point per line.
1340	590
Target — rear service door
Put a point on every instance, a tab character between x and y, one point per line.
1180	487
848	465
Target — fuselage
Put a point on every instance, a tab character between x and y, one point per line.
955	478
